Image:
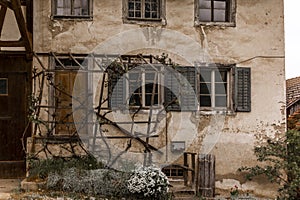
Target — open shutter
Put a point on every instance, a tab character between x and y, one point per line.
171	102
117	90
188	92
243	89
176	85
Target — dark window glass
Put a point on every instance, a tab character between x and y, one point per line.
3	86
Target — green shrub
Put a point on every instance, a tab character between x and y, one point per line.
281	164
40	169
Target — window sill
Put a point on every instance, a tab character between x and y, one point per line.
228	112
224	24
67	18
144	21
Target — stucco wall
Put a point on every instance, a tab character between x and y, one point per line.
257	41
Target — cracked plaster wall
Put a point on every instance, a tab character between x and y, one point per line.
259	31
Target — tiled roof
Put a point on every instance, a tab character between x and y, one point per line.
292	90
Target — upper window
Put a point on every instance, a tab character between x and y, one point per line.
215	11
71	8
143	10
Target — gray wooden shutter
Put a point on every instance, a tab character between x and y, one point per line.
171	87
188	93
117	98
175	86
243	89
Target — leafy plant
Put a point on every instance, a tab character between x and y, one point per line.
234	191
40	169
281	164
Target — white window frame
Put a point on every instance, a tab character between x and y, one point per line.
160	90
212	89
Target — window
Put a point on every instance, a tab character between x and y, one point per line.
204	88
3	86
213	88
72	8
143	10
215	11
135	87
141	85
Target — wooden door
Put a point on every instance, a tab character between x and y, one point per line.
64	81
15	87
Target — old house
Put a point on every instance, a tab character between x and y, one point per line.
159	81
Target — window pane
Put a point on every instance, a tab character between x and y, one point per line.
130	6
205	88
220	76
138	6
137	14
147	7
130	14
77	3
221	101
221	88
205	101
3	86
148	99
204	4
149	88
154	15
77	12
135	100
205	15
219	15
59	3
149	77
220	5
205	76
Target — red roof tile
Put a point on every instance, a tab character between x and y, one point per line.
292	90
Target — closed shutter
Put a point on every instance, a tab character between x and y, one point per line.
243	89
183	86
117	96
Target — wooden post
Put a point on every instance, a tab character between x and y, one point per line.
185	171
193	167
206	175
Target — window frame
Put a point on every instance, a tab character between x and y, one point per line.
143	72
212	89
230	15
83	17
142	20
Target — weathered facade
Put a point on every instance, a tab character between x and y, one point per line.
230	54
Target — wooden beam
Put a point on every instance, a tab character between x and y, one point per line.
2	17
16	6
6	3
19	43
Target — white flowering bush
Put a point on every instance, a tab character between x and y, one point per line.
149	182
